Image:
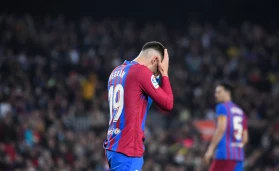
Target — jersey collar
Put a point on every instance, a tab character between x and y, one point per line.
126	62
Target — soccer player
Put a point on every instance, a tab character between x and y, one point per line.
131	88
230	135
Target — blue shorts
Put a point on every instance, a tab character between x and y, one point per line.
120	162
239	166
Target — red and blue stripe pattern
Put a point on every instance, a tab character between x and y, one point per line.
230	146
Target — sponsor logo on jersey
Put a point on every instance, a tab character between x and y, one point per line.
154	82
114	131
110	132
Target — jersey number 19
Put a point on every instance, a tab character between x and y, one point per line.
116	102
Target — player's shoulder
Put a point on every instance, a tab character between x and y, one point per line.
138	69
237	109
117	68
221	109
220	105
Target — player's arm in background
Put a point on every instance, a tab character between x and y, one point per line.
149	98
245	136
221	126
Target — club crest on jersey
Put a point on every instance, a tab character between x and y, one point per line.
154	82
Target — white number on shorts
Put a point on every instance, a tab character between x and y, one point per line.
116	102
238	128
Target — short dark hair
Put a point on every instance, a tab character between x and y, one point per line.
227	86
156	46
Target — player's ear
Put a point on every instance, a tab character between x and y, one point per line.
154	60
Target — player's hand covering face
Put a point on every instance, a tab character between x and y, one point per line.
155	65
163	66
157	73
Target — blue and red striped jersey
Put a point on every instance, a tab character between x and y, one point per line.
130	87
230	146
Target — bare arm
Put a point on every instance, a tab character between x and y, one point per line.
161	95
219	132
245	136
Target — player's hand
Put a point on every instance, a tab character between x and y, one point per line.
208	155
163	66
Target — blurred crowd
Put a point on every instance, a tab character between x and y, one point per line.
53	90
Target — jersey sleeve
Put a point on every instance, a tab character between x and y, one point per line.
149	99
163	96
221	110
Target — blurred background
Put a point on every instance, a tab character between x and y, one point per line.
55	59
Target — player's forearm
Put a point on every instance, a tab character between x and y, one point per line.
161	95
244	142
245	137
216	139
165	75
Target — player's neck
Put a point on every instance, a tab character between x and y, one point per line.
140	60
227	100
